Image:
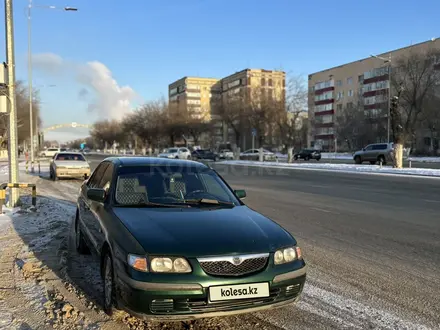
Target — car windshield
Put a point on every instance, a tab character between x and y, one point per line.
74	157
172	150
137	186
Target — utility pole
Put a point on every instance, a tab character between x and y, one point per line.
31	112
14	196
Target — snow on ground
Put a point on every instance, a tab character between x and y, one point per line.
425	159
337	155
346	168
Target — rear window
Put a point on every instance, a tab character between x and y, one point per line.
52	149
172	150
379	147
73	157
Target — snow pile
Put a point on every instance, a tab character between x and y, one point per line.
337	155
425	159
346	168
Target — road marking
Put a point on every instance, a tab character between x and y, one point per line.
323	210
318	186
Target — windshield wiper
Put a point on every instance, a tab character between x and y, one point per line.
150	204
206	201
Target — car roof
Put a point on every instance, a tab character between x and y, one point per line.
151	161
69	153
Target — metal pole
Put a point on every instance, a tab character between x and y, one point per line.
14	197
31	113
389	101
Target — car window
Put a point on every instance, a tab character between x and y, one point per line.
370	147
169	185
70	157
380	146
97	175
52	149
184	150
172	150
106	178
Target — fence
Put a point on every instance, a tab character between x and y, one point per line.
3	187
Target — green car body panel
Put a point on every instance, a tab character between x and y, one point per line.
191	233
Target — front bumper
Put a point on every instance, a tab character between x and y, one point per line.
72	173
185	301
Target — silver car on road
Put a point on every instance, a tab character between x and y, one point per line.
374	153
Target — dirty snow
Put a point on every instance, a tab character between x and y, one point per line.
345	168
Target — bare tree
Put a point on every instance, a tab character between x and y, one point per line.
23	116
146	122
108	131
415	80
430	121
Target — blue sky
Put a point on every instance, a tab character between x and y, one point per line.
146	44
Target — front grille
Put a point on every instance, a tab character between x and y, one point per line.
226	268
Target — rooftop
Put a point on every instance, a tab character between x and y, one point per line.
155	161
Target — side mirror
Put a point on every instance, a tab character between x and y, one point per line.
96	194
240	193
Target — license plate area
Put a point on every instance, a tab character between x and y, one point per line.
240	291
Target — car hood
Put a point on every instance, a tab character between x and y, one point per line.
196	232
72	163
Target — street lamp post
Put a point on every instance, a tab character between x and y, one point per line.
387	60
31	114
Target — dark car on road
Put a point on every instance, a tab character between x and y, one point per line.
308	154
175	242
204	154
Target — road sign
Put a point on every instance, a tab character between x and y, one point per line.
254	132
82	146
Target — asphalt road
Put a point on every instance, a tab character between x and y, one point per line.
371	242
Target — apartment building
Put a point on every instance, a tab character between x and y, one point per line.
192	94
365	82
245	85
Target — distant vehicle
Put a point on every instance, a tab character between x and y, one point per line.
254	154
204	154
179	153
374	153
69	165
175	242
86	151
226	154
50	152
308	154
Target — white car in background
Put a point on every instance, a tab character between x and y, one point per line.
50	152
226	154
178	153
254	154
69	165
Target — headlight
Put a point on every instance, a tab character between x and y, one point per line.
170	265
137	262
287	255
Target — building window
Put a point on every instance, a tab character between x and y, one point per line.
263	82
189	94
326	119
339	107
195	87
350	93
270	82
324	84
340	95
173	91
349	105
349	80
323	107
361	78
324	96
339	83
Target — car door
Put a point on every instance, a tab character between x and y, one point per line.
184	153
88	225
98	210
368	153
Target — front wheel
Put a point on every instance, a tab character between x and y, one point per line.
109	284
80	242
358	160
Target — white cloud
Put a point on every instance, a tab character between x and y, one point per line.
103	94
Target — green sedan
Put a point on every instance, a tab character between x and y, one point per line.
176	242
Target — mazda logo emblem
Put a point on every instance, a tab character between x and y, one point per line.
236	260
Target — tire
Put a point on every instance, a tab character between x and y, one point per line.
109	284
177	157
381	159
216	159
372	162
54	177
43	155
80	242
306	158
295	157
318	159
358	160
